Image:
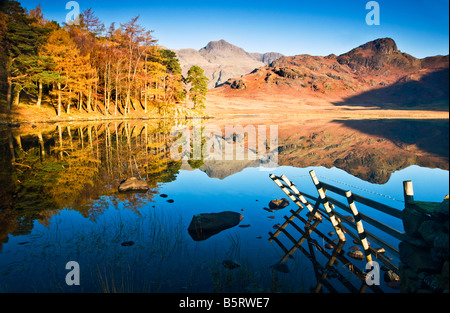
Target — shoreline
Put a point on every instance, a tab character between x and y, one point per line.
352	115
25	114
379	114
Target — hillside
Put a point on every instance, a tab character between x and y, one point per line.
375	74
221	60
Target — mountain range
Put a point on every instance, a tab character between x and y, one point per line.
221	60
375	73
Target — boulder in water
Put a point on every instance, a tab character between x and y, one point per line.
133	184
278	204
206	225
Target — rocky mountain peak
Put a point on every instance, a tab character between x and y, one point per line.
382	46
221	45
222	60
377	55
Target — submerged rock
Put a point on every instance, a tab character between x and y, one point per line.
133	184
380	250
392	279
328	246
357	255
206	225
349	218
278	204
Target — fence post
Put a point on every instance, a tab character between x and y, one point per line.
359	225
408	192
323	200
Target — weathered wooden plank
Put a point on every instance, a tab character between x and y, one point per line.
386	228
359	226
371	236
408	192
373	204
326	205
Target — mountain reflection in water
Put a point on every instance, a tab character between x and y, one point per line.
50	169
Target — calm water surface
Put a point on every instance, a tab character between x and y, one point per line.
59	201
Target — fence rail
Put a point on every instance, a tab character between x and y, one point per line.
324	206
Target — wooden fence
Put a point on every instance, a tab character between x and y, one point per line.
323	206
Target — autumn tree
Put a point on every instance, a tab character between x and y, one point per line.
138	42
199	85
175	91
74	73
21	44
112	71
3	51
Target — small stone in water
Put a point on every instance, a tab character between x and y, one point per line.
329	246
357	255
380	250
278	204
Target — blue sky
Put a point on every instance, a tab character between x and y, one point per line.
419	27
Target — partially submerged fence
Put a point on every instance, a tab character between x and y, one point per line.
323	206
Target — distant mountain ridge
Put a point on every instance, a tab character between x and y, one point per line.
221	60
373	73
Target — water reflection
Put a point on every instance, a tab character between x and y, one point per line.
369	149
47	168
73	171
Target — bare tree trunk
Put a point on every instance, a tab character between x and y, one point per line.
39	100
9	90
95	96
59	99
145	84
127	100
89	99
70	99
115	104
107	87
17	99
80	104
60	142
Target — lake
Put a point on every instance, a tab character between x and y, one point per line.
59	200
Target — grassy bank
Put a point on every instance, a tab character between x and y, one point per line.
221	108
24	113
